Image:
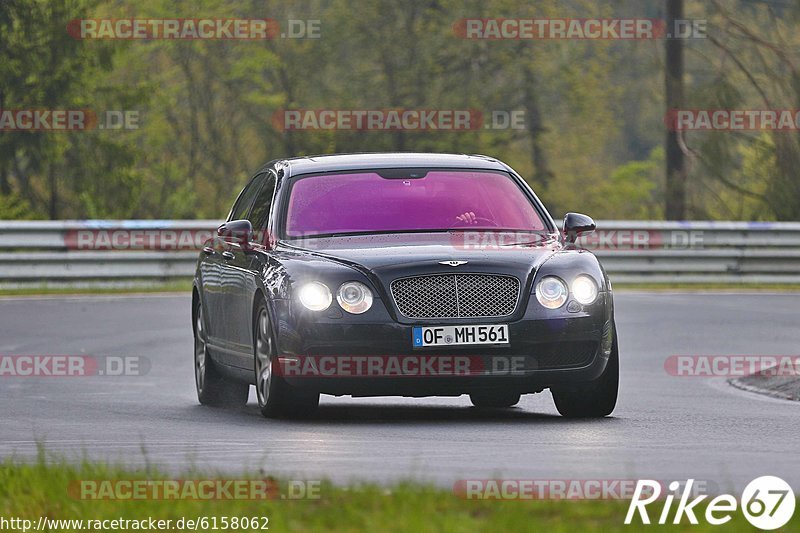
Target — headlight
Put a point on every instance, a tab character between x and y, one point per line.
315	296
584	289
551	292
354	297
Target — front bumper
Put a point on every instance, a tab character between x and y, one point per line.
546	348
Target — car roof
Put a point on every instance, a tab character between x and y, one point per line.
339	162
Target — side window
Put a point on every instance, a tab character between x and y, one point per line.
261	207
242	205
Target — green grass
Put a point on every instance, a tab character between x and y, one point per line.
41	489
182	286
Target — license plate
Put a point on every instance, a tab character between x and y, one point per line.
424	336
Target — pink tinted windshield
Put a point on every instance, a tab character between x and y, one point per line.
366	202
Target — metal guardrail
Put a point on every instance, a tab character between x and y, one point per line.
631	251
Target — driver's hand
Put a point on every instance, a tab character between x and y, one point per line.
468	218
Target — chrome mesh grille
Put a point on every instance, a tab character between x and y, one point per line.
456	295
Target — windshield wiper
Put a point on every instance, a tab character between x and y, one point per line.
541	238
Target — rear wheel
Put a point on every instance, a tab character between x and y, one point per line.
494	399
594	399
276	398
213	388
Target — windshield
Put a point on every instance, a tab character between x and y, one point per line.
408	200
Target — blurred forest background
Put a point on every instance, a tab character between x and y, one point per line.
594	132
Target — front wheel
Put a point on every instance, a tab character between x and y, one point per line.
276	398
213	388
595	399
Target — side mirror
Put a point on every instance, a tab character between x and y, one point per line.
239	231
575	224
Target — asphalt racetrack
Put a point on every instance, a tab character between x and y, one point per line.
665	427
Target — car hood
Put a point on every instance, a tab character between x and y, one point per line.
392	256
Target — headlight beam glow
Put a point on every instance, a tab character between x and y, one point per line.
315	296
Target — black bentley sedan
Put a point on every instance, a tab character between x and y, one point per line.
400	274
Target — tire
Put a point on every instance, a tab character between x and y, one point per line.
595	399
276	398
494	400
213	388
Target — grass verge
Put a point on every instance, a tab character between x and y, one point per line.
30	491
182	286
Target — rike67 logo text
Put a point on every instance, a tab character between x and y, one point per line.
767	503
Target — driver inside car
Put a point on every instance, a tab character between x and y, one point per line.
467	218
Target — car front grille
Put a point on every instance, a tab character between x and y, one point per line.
456	295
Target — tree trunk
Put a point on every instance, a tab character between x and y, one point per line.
5	186
51	178
675	207
533	118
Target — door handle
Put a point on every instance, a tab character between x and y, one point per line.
208	250
228	255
